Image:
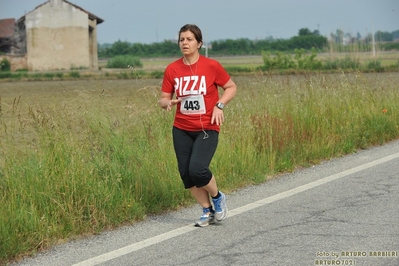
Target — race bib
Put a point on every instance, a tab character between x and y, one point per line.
193	104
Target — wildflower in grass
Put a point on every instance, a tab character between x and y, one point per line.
384	110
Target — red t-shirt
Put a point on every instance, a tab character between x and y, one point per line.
197	86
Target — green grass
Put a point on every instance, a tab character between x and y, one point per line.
236	65
80	157
124	61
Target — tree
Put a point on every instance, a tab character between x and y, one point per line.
304	32
316	33
339	37
307	42
368	38
383	36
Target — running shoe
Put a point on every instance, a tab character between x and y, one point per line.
220	207
206	218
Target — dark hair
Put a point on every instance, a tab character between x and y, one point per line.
195	30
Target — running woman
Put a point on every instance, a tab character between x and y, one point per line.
194	80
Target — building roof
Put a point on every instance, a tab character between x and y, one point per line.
91	15
7	28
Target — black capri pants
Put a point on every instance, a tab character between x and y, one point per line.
194	153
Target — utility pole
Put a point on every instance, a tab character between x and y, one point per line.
373	40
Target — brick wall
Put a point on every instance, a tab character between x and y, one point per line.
17	61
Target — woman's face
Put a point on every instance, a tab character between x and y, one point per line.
188	44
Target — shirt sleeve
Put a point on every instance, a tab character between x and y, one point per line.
167	82
221	75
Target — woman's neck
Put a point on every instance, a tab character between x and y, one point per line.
191	59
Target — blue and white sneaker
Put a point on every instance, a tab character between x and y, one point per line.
206	218
220	207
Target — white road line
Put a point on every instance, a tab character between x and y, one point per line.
136	246
188	228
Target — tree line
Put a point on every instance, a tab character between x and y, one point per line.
306	39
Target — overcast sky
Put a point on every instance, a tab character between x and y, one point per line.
148	21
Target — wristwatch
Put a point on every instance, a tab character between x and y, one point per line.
220	105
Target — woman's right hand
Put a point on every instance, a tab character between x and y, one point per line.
172	103
166	102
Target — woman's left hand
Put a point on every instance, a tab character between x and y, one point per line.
217	116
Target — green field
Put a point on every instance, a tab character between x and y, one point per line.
159	64
281	63
82	156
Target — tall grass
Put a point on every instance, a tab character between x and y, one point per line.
89	156
280	123
124	61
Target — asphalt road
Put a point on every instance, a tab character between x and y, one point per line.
342	212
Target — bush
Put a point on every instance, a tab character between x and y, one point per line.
59	74
18	74
74	74
122	61
285	61
241	69
375	65
5	65
391	46
307	61
346	63
4	75
279	61
156	74
350	63
48	75
331	64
